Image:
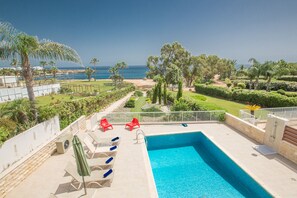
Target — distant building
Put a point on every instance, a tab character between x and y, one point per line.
8	81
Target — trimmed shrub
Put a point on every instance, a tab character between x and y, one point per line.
262	98
288	78
291	94
130	103
241	85
281	91
69	111
274	86
228	82
213	91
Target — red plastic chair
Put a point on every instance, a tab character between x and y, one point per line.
105	124
133	124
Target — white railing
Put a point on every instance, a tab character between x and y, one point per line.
158	117
262	114
248	117
27	142
9	94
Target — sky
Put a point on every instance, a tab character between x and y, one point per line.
132	30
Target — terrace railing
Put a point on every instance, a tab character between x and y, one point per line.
162	117
261	115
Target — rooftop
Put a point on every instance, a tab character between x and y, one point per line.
133	176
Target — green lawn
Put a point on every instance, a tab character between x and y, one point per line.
46	100
86	86
230	106
138	104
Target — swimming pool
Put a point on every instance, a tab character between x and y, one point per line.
190	165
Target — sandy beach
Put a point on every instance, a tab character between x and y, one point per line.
141	83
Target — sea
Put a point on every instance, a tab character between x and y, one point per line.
102	72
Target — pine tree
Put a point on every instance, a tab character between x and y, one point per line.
155	92
160	92
180	90
165	93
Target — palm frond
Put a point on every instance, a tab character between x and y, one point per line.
56	51
7	32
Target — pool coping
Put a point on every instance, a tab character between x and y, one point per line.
237	162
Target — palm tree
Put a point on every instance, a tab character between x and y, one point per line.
18	44
94	61
54	71
52	64
270	70
258	69
89	72
251	73
43	64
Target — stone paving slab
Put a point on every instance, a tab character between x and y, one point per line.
133	176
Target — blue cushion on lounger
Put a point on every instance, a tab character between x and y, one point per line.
108	160
114	139
113	148
107	173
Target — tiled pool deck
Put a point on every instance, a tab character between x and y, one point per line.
133	176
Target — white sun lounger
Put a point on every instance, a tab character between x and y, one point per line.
100	150
96	177
100	163
103	141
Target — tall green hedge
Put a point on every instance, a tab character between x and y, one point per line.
288	78
262	98
71	110
275	85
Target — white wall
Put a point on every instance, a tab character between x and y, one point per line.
27	142
9	94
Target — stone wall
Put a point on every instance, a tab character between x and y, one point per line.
22	171
246	128
288	150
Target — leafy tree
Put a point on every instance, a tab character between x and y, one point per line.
89	73
94	61
193	71
170	65
180	90
19	44
115	75
226	68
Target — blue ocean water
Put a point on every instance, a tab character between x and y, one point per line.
190	165
102	72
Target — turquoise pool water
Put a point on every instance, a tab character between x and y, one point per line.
190	165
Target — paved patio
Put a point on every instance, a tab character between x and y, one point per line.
133	176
